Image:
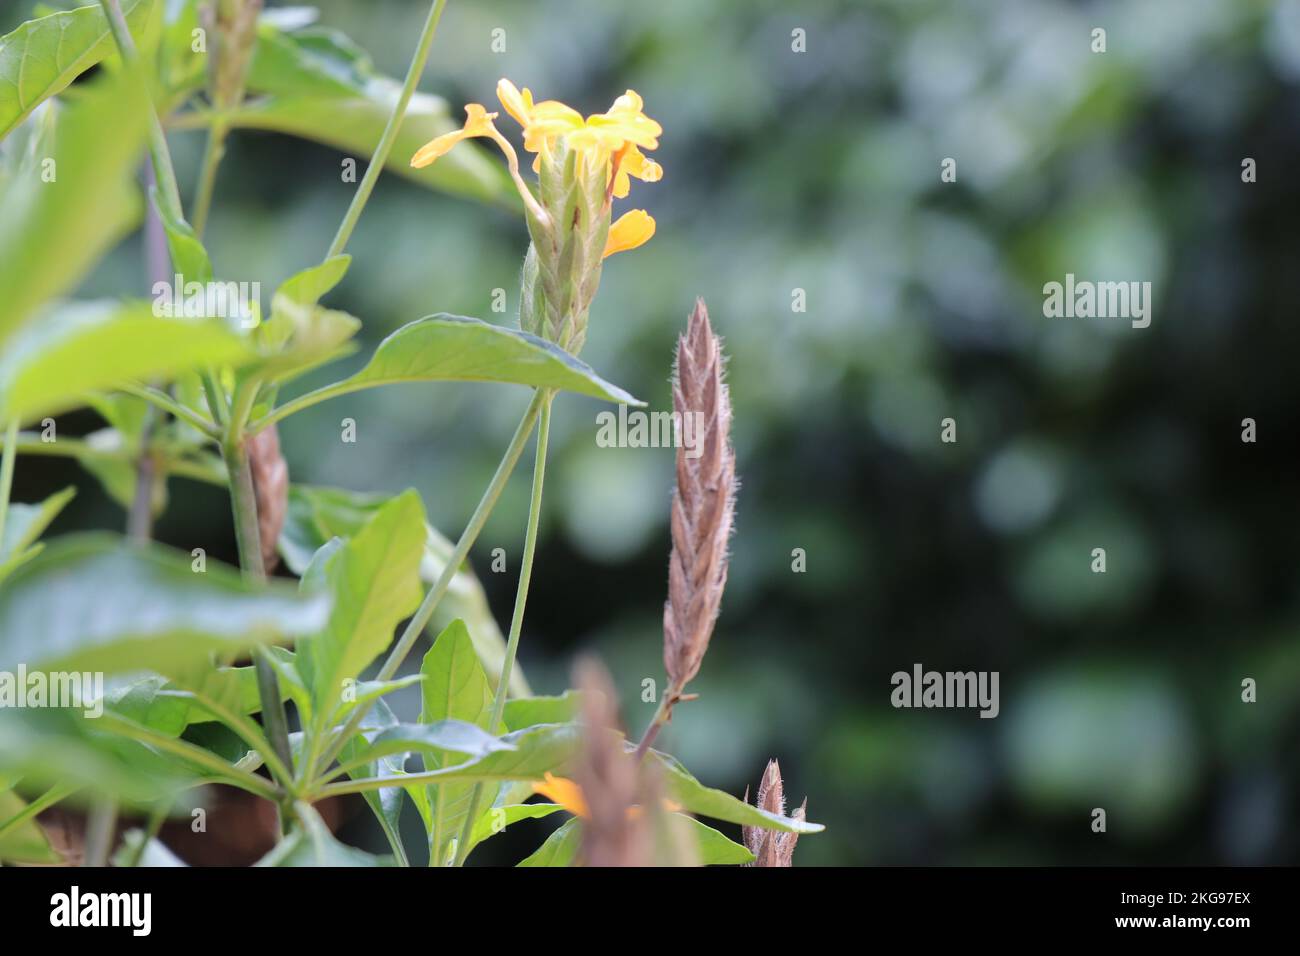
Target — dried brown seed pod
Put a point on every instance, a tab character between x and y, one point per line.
271	487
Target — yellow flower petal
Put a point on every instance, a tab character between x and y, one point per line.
518	105
564	792
478	121
634	163
632	229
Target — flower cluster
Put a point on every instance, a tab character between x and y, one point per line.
582	165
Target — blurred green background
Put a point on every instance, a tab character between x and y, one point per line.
819	171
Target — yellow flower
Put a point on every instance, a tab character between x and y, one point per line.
564	792
569	795
632	229
633	162
478	122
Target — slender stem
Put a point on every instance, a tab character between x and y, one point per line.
160	399
165	174
100	827
139	519
156	817
243	502
421	619
246	729
213	152
385	145
38	806
7	472
517	619
663	714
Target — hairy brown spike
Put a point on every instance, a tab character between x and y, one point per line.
772	847
703	502
271	488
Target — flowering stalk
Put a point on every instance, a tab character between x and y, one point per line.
702	512
772	848
517	618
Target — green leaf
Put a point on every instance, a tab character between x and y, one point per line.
188	255
50	366
713	848
317	514
42	56
23	525
386	804
311	285
455	687
450	348
525	711
375	583
52	233
497	819
25	843
560	848
97	603
170	704
321	87
444	737
692	795
533	752
312	844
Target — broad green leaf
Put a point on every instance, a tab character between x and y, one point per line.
312	844
386	804
375	582
97	603
300	335
318	514
59	747
450	738
23	525
560	848
449	348
25	843
455	687
311	285
321	87
365	691
50	365
712	848
52	233
170	704
526	711
42	56
534	752
497	819
692	795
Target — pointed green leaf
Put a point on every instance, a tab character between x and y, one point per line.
692	795
561	847
26	842
713	848
445	348
524	712
317	514
52	233
24	524
42	56
497	819
374	579
455	687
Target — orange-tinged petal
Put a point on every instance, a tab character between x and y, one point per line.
632	229
564	792
478	121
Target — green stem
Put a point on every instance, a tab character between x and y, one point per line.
164	173
517	619
212	155
417	624
38	806
389	136
162	400
154	824
243	501
7	472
